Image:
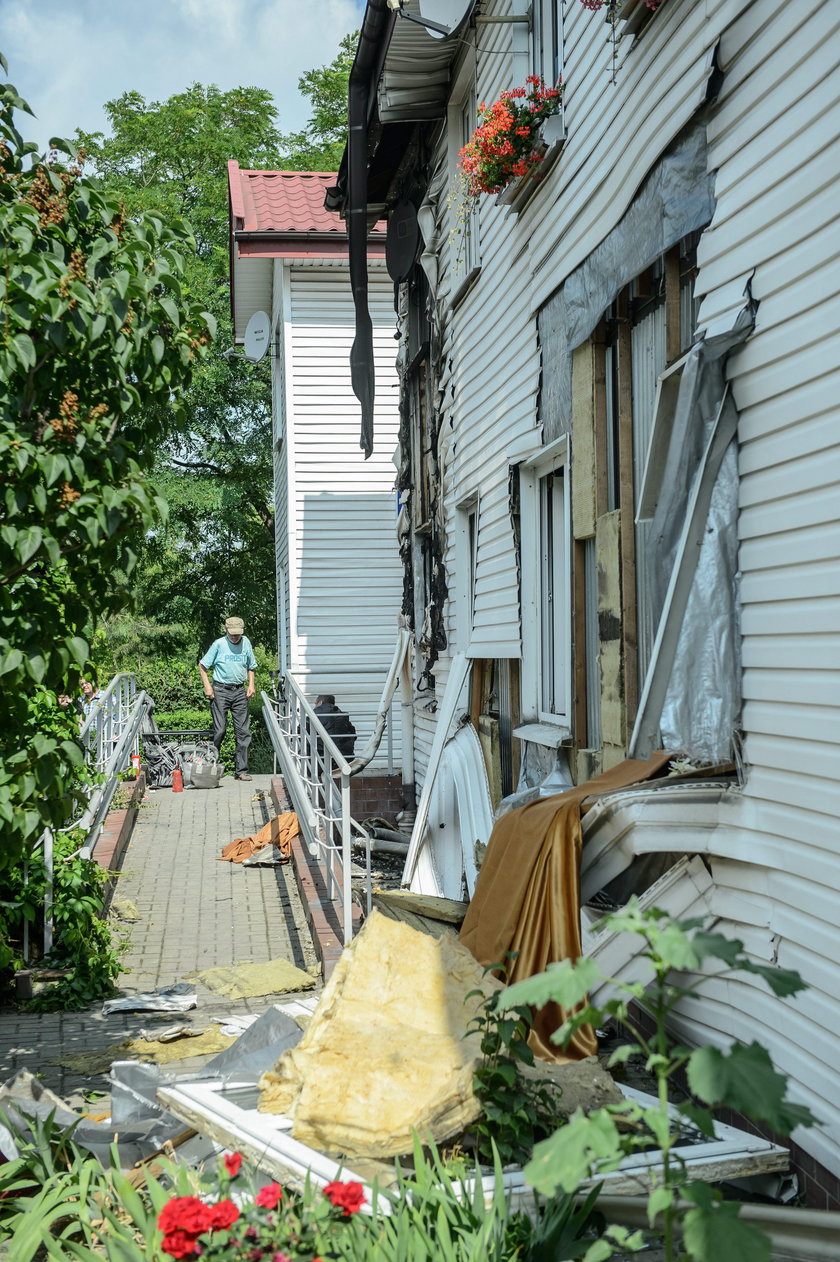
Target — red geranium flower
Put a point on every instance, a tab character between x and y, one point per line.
347	1196
180	1244
233	1163
268	1196
223	1216
184	1213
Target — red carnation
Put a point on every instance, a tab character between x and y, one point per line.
268	1196
223	1216
347	1196
184	1213
233	1163
180	1244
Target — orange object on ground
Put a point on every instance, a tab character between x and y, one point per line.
527	896
277	832
177	781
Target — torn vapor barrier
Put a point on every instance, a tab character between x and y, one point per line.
691	696
676	199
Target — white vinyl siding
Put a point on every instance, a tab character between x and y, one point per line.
345	572
773	144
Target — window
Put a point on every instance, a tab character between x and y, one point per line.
641	347
466	561
466	244
546	599
547	40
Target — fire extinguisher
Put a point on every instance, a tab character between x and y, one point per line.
177	781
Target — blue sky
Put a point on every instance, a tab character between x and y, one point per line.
67	57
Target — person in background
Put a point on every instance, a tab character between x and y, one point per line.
231	659
90	696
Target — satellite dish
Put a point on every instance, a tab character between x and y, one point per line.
257	336
401	241
451	14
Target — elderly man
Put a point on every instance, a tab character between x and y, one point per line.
232	662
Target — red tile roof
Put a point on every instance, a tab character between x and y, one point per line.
282	201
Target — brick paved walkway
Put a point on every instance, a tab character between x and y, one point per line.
194	913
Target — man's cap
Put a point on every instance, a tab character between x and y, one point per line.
234	626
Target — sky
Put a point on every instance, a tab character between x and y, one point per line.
67	57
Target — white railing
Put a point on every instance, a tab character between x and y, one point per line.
317	777
110	734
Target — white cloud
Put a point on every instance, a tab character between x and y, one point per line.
67	57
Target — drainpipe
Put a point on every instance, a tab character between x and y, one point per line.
407	816
377	22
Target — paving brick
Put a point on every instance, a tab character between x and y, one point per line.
194	912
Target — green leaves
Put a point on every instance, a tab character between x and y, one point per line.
84	403
566	983
585	1147
744	1079
713	1231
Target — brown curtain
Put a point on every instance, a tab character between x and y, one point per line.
527	896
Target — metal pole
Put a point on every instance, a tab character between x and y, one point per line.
49	851
346	858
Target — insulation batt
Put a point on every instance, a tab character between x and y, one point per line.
387	1051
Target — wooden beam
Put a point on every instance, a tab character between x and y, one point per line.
579	729
673	332
626	504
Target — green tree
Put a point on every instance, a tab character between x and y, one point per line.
320	145
215	555
99	336
216	551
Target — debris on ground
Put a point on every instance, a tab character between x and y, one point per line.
253	981
277	833
160	1051
387	1052
175	998
123	909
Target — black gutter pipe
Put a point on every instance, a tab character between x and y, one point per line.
378	20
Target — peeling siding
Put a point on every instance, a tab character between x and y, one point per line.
773	143
772	140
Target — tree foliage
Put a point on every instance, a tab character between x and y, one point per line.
215	555
99	335
320	145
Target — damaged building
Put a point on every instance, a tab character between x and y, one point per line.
618	464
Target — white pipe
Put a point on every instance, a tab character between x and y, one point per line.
393	677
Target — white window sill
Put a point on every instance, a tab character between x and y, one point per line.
552	735
464	286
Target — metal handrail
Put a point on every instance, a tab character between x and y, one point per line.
109	736
317	777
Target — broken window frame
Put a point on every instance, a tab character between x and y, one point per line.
624	436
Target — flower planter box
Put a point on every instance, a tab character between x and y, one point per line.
552	139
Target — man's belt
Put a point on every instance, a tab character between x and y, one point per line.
221	685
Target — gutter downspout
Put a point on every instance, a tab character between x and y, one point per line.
377	20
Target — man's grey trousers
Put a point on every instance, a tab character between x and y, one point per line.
232	698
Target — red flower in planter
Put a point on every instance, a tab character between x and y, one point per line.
233	1163
502	146
346	1196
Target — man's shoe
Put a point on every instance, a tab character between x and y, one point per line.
243	775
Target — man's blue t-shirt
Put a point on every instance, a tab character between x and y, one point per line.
230	663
